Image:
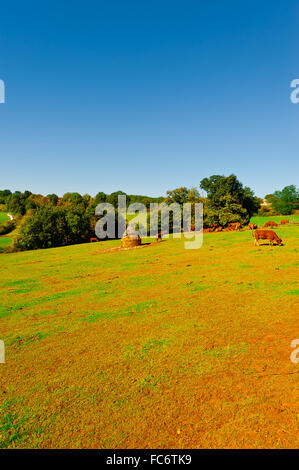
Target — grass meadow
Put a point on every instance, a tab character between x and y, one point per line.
5	240
154	347
3	217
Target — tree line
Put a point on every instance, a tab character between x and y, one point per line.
51	221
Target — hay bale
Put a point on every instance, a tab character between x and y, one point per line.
130	239
128	242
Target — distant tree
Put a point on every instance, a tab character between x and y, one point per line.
284	202
179	195
228	200
100	197
4	194
53	198
72	198
35	200
16	202
53	226
113	198
193	195
87	200
146	200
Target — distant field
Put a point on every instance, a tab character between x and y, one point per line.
4	242
3	217
157	347
276	218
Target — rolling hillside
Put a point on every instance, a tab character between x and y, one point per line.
152	347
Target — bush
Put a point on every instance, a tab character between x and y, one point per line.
53	226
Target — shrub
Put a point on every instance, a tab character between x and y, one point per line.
53	226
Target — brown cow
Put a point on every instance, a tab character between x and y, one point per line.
213	227
235	225
270	223
252	226
284	221
266	235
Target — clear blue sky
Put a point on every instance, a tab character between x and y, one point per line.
146	96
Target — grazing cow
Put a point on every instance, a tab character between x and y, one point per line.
252	226
270	223
266	235
284	221
93	240
235	225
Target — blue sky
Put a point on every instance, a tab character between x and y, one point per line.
148	96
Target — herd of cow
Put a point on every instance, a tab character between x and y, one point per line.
237	226
258	234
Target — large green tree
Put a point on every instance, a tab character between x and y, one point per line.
228	200
284	202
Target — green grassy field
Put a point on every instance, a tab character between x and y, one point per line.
154	347
3	217
4	242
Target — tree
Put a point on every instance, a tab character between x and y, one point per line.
179	195
228	200
53	198
100	197
16	202
113	198
72	198
284	202
4	195
193	195
87	200
53	226
34	201
230	211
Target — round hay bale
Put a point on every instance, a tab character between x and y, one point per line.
128	242
130	239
